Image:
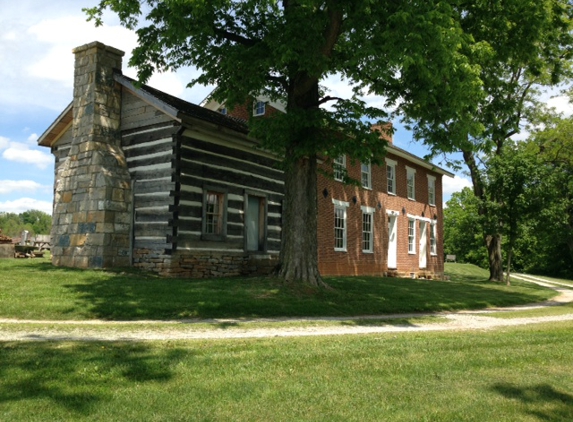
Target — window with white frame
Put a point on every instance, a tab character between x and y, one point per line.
431	190
339	167
340	225
411	236
433	243
411	182
391	176
214	214
258	108
366	170
367	229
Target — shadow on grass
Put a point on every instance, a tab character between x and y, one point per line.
130	294
77	377
542	401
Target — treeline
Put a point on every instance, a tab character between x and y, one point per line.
35	221
528	200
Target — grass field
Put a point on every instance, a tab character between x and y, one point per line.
34	289
518	374
514	374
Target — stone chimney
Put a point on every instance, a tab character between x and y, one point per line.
92	201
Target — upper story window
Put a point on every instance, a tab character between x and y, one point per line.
339	167
223	110
411	236
214	214
431	190
258	108
340	225
411	182
366	171
367	229
391	176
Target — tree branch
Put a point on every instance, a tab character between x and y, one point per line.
248	42
329	98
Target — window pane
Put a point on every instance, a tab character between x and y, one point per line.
411	236
366	175
213	213
339	228
390	171
367	238
339	165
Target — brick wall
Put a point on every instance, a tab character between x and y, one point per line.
354	261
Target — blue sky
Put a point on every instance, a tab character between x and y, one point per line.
36	76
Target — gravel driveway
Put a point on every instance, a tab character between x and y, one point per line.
96	330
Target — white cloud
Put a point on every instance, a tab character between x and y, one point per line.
20	205
21	153
33	138
561	104
455	184
9	186
4	142
62	35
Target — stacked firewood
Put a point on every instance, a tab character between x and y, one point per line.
4	238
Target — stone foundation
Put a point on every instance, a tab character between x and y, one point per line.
6	250
205	264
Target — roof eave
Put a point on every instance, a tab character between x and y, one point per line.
55	130
417	160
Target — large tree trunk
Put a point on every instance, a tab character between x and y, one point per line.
493	243
299	252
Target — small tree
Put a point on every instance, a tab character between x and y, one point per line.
463	228
513	181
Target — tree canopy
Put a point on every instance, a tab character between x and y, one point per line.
425	58
35	221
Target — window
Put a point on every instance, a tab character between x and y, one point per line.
366	170
391	176
339	167
367	229
411	236
431	190
411	182
258	108
214	215
433	244
340	225
223	110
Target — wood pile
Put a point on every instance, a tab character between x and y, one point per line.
5	239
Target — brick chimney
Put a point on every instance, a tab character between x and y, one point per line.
385	131
92	201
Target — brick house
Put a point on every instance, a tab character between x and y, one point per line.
146	179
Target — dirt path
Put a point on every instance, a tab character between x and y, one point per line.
95	330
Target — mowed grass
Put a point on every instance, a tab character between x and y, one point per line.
34	289
516	374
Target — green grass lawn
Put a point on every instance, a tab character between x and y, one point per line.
34	289
517	374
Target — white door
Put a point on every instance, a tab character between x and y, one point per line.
392	241
423	244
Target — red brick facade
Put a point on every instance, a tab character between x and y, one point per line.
353	260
